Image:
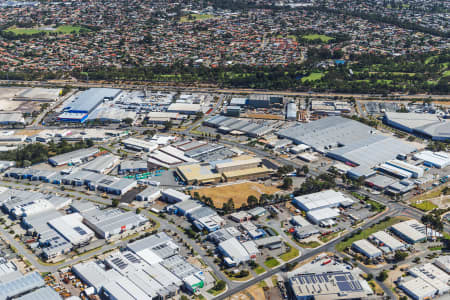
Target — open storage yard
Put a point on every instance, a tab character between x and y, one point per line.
238	192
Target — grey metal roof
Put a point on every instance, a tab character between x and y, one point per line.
372	150
73	156
133	164
91	98
112	220
327	132
149	242
202	212
45	293
20	285
100	163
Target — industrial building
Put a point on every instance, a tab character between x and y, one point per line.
109	223
291	111
233	111
74	157
38	94
26	287
150	194
132	167
366	248
330	285
72	229
107	114
443	262
139	145
386	242
173	196
323	216
184	108
101	164
233	251
12	118
185	208
238	126
433	159
429	281
328	198
240	216
80	106
427	125
416	172
408	231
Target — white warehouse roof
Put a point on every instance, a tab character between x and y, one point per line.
234	250
328	198
72	228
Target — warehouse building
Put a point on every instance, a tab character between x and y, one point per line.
366	248
443	262
271	242
238	164
185	207
150	194
433	159
386	241
160	117
323	216
173	196
139	145
238	101
380	182
107	114
74	157
133	167
109	223
195	173
72	229
80	106
418	289
240	216
233	111
408	231
416	172
432	275
328	198
12	118
184	108
428	125
101	164
330	285
38	94
43	293
291	111
111	185
233	251
21	286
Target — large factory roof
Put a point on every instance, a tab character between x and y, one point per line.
45	293
73	156
372	150
327	133
429	124
17	286
90	99
328	198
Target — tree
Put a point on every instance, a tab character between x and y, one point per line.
115	202
382	276
305	170
287	183
218	137
230	204
168	125
138	210
220	285
400	255
128	121
252	201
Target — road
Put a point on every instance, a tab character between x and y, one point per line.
214	89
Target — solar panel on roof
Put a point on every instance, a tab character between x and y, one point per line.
344	286
340	278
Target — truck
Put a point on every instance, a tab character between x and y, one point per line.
326	262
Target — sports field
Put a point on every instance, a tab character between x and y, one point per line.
64	29
322	37
238	192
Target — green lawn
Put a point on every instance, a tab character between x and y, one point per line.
424	205
65	29
292	253
259	270
446	73
322	37
312	244
313	77
366	233
195	17
329	237
271	263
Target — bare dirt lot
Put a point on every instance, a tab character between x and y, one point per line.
238	192
6	95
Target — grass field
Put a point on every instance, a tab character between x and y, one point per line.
238	192
322	37
312	244
424	205
65	29
313	77
195	17
366	233
259	270
271	263
292	253
329	237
